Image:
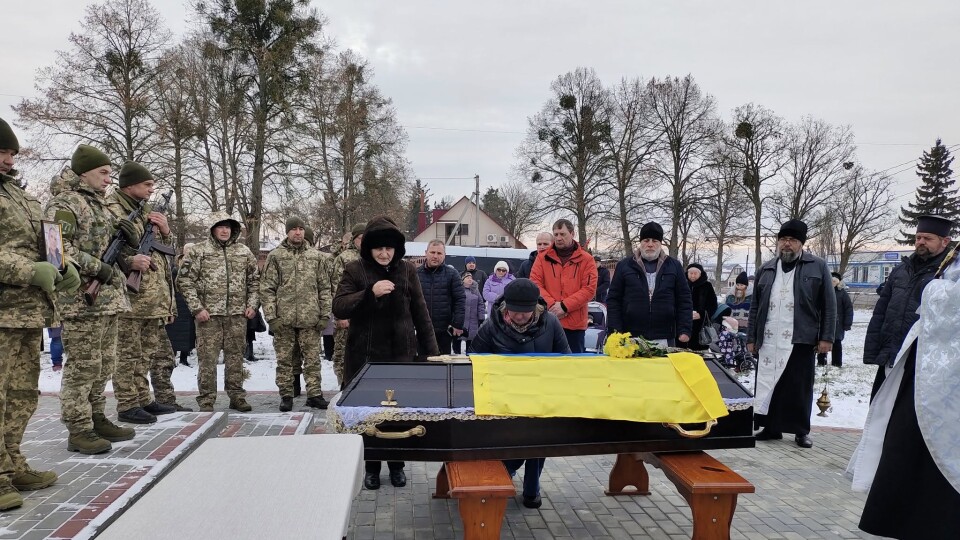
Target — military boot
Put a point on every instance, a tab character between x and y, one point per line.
286	404
110	431
29	479
157	409
240	404
9	497
317	402
136	415
88	442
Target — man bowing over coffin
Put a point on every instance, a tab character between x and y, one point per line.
793	317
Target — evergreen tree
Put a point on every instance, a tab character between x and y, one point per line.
936	196
413	209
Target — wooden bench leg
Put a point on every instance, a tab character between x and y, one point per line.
712	515
443	485
482	517
628	471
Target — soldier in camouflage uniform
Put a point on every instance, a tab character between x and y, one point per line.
219	280
349	254
89	331
295	291
27	284
143	330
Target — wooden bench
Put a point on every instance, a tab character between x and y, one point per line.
482	489
709	486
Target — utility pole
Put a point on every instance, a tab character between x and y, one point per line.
476	232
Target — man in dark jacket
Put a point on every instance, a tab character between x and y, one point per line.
443	293
521	323
844	322
896	310
381	296
603	281
470	267
544	241
793	316
649	295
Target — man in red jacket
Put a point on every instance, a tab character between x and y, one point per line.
567	277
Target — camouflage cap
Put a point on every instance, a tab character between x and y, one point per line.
8	139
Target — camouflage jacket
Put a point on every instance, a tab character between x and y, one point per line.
21	304
295	288
339	262
220	277
155	299
87	227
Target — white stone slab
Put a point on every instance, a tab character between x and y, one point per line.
252	488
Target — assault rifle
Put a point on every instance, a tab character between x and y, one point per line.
149	244
110	257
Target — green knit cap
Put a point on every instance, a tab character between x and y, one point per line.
133	173
8	139
293	222
358	230
308	234
87	158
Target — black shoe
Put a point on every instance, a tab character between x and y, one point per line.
803	441
296	386
532	502
136	415
371	480
286	404
835	364
159	409
398	478
317	402
767	435
821	362
183	362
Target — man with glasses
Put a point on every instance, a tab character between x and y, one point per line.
793	318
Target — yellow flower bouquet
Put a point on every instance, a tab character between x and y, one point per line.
622	345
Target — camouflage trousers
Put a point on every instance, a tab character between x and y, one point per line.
285	339
90	344
221	333
19	379
143	347
339	348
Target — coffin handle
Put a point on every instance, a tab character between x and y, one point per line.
415	431
695	434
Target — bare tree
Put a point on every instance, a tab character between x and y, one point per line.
563	152
862	212
522	210
633	139
725	214
102	89
687	118
758	148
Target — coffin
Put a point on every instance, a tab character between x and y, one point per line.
433	420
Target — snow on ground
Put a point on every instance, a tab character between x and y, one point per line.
847	387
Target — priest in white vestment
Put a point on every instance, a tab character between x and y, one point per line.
792	318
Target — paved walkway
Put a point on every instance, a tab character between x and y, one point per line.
800	493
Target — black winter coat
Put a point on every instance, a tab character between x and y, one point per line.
844	313
603	284
631	308
526	266
815	313
182	331
896	310
704	303
443	293
497	337
384	329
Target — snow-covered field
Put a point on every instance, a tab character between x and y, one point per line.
848	387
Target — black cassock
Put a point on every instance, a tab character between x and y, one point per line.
792	399
909	497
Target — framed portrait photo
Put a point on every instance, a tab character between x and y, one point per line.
53	243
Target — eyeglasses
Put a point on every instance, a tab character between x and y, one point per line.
501	269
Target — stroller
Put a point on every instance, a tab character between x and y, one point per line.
596	332
731	349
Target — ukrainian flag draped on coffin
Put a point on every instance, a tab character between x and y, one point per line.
677	389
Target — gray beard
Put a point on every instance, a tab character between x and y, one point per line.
789	257
652	257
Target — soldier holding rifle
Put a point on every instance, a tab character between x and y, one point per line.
79	204
142	330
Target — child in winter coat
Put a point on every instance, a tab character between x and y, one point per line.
474	311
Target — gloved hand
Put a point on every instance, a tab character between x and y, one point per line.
70	281
130	232
45	276
105	274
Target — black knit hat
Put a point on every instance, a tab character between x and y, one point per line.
133	173
742	279
87	158
293	222
651	230
8	139
521	295
937	225
794	229
837	275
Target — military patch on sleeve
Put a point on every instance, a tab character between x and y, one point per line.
68	222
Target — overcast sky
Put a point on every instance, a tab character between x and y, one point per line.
464	76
